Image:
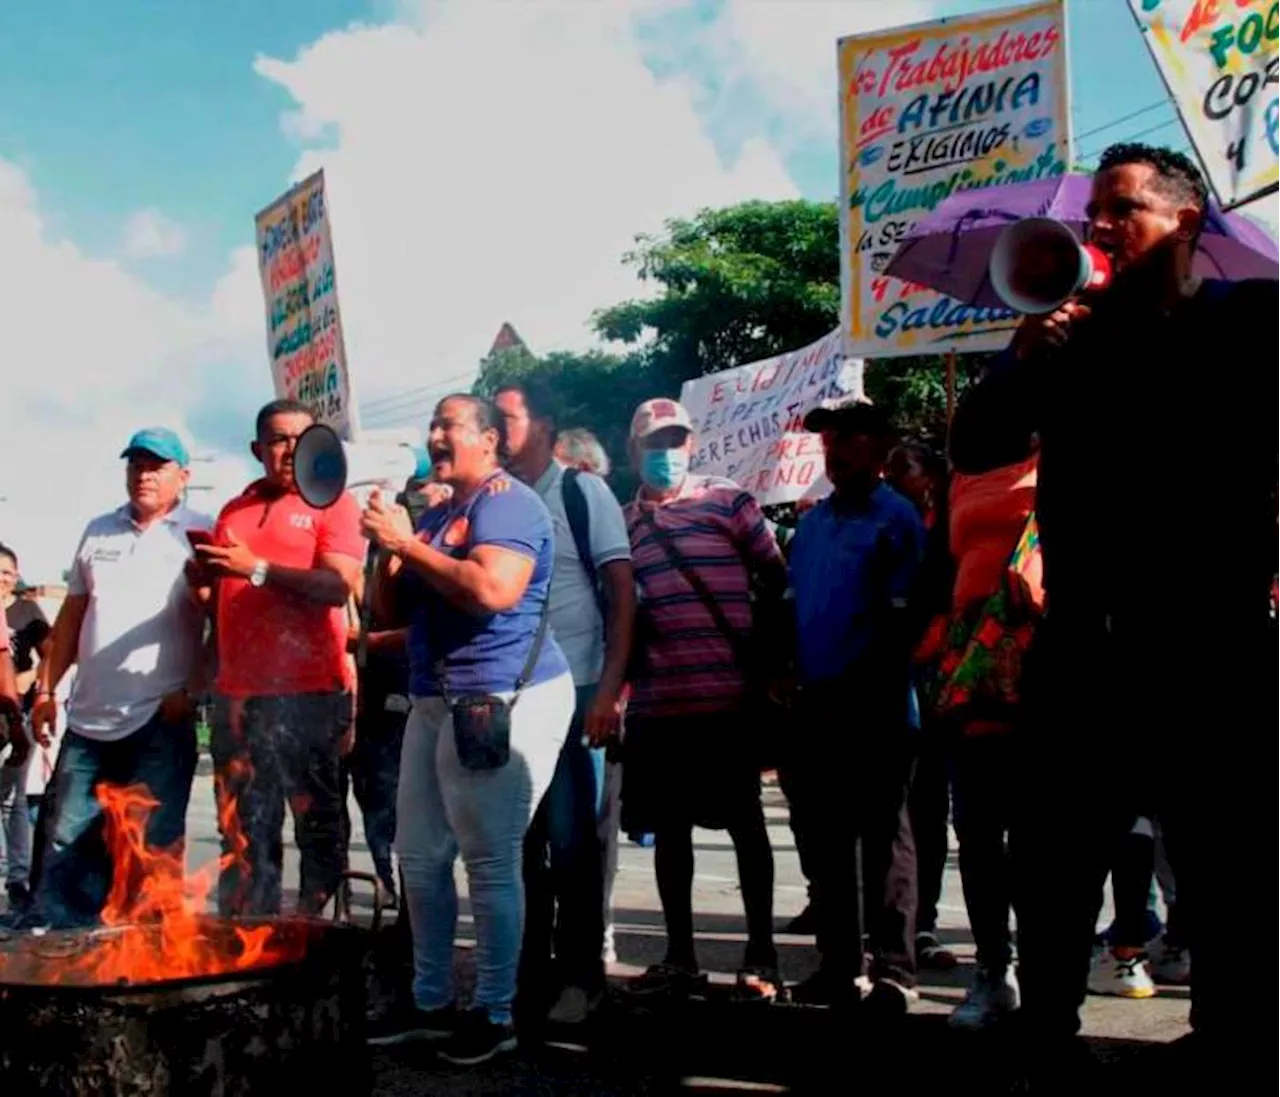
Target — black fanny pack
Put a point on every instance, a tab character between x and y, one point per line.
482	721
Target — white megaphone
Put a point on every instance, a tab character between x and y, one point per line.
1038	265
324	466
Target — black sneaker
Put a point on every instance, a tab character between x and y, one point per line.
666	980
825	988
408	1024
477	1039
889	1000
19	897
932	953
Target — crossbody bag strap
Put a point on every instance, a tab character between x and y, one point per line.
539	637
700	588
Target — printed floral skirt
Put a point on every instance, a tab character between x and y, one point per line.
969	665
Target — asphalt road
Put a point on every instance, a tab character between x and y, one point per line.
717	1048
714	1046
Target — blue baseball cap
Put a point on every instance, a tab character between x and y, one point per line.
159	442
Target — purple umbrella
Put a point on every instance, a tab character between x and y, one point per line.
949	250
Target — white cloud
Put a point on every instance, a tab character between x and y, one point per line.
148	234
484	169
779	57
93	354
494	169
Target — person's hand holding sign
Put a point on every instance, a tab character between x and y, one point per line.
387	525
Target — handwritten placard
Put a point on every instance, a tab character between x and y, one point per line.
747	421
304	327
928	111
1219	59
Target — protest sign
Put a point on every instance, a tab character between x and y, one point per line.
747	421
304	327
1219	61
928	111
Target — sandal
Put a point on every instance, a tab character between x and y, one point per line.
759	984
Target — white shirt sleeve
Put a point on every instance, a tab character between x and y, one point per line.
609	540
77	580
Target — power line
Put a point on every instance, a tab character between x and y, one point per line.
1130	137
1122	119
404	411
396	397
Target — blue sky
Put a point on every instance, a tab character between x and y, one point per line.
112	107
134	104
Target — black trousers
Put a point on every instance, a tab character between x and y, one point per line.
847	782
984	777
269	752
929	806
1073	809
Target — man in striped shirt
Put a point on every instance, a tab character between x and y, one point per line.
697	543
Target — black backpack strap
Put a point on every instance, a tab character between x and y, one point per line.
578	513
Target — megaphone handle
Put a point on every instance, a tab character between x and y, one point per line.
366	606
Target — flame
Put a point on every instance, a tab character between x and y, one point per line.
154	912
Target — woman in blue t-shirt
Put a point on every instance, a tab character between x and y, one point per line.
473	583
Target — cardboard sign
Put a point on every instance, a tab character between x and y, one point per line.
1219	61
928	111
304	326
747	421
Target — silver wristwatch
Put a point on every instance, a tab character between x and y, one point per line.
259	575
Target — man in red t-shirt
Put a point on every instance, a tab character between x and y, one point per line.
283	572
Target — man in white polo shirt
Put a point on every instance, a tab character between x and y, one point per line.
592	613
132	625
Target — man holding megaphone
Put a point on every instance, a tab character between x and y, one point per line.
283	570
1135	561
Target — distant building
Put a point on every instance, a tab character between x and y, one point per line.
507	339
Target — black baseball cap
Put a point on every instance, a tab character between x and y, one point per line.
848	417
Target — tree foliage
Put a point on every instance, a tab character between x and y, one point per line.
732	286
735	285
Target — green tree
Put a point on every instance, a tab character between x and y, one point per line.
736	285
733	286
596	390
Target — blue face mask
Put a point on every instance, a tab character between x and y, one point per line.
664	469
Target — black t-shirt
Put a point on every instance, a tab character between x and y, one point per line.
28	629
1158	448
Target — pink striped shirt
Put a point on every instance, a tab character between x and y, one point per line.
688	664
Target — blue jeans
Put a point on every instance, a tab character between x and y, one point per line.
76	869
442	810
564	867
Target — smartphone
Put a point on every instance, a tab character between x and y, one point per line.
199	537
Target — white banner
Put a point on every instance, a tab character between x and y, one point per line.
304	326
1219	60
926	112
747	421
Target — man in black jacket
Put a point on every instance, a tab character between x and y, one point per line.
1154	583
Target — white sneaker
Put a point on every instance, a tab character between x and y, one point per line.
610	953
573	1006
1120	976
1170	965
994	995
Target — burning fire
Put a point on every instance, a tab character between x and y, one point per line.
156	926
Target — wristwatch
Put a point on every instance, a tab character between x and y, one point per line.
259	574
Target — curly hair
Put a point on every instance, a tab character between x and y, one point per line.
1177	175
